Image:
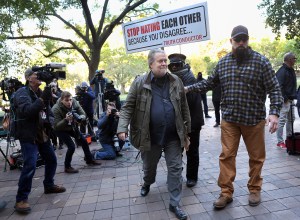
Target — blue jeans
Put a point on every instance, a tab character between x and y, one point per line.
108	152
29	152
66	138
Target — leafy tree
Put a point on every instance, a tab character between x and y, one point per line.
123	68
283	13
30	20
16	60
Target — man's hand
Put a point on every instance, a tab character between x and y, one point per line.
187	143
122	136
185	89
272	121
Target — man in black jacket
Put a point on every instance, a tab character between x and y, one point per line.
287	80
33	124
178	67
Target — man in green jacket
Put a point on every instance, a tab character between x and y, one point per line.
67	114
157	111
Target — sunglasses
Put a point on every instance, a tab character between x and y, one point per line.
241	38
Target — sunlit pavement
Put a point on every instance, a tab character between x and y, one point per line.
112	190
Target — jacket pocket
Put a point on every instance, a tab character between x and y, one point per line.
135	137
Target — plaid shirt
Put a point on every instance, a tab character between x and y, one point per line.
244	88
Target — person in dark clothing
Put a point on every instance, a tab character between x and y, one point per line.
107	124
34	119
85	96
203	97
99	83
216	98
178	67
288	83
56	93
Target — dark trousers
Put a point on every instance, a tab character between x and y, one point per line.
193	156
217	111
29	152
204	100
67	139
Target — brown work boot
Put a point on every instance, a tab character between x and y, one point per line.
71	170
254	198
54	189
222	201
22	207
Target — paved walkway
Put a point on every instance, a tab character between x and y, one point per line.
112	190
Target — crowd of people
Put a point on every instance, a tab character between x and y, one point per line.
162	114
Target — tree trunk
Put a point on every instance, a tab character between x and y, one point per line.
94	63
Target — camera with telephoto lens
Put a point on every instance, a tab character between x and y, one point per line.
76	116
50	71
116	143
9	86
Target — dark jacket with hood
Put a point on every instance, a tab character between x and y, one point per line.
193	98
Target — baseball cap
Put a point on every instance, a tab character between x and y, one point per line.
84	85
176	58
239	30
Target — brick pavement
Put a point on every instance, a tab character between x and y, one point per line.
111	191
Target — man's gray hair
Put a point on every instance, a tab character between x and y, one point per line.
288	56
152	54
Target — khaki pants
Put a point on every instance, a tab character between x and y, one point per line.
254	138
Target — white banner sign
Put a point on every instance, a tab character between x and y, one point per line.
181	26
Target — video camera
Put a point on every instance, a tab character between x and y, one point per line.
50	71
110	92
9	86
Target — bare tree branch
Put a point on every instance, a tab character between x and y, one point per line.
85	56
89	20
101	23
85	38
56	51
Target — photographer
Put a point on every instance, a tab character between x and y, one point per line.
112	94
67	114
107	124
85	97
99	83
34	115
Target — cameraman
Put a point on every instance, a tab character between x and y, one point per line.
33	115
67	114
85	97
100	83
107	124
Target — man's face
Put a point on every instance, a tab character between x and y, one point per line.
159	67
67	102
239	41
33	81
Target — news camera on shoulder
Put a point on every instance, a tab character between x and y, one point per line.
50	71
